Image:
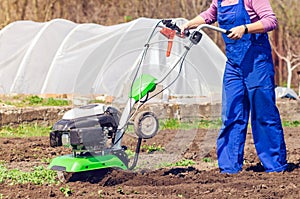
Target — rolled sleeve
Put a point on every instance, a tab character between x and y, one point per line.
265	14
210	15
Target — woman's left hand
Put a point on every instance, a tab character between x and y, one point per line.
237	32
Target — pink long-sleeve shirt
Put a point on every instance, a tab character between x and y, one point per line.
258	10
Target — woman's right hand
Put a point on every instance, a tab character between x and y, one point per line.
193	23
184	27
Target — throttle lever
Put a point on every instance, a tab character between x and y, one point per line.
170	34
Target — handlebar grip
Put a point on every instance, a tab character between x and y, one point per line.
228	32
168	23
186	33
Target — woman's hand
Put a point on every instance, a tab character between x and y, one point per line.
184	27
193	23
237	32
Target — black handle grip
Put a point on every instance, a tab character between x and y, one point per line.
166	21
186	33
169	24
228	32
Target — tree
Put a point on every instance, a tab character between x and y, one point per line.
292	62
286	42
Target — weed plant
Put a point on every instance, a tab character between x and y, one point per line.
180	163
24	130
38	176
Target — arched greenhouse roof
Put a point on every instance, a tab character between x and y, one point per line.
63	57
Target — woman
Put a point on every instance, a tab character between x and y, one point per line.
248	84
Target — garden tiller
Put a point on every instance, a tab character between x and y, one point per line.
95	132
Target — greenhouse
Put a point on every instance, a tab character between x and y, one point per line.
62	57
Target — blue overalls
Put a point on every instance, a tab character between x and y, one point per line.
248	86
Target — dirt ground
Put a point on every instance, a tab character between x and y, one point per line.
150	179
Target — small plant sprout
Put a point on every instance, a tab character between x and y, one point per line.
152	148
120	191
100	193
181	163
206	159
66	191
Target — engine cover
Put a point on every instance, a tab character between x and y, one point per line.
86	131
93	139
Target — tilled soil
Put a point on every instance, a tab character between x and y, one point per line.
152	178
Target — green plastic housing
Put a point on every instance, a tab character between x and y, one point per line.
69	163
142	86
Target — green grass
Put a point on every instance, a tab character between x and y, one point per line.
290	123
152	148
34	100
207	159
170	124
24	130
96	101
33	130
38	176
130	153
180	163
173	124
